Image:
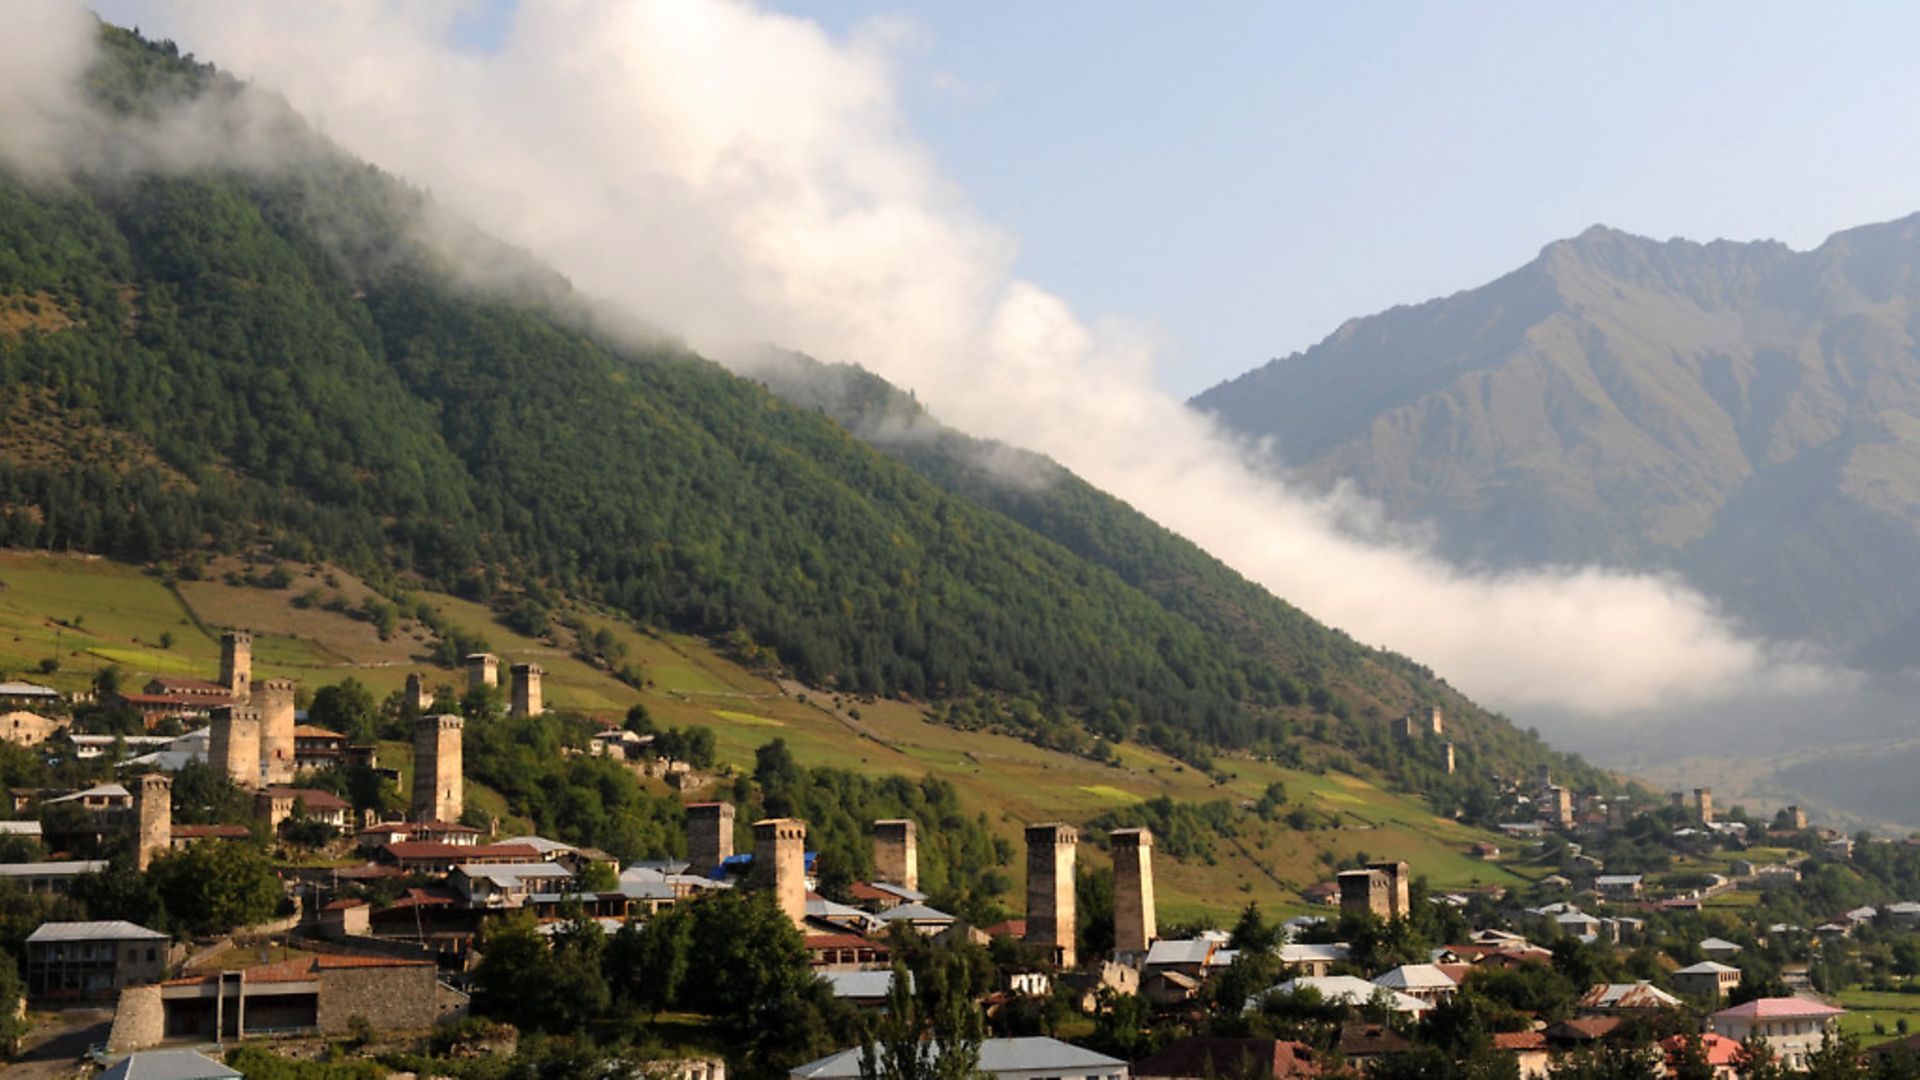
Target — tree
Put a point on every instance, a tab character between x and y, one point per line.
347	707
1252	931
13	992
937	1038
215	885
537	986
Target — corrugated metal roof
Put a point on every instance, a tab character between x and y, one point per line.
915	913
27	689
1032	1054
862	984
107	930
52	869
168	1065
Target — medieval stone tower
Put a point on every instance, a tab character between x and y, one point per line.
276	730
1379	890
233	744
709	836
1703	802
896	853
236	665
153	819
483	671
1134	924
780	864
1446	758
526	690
437	792
417	694
1050	915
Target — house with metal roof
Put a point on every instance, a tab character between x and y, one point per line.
1030	1058
92	961
1708	979
506	885
1315	960
1349	990
1720	949
866	989
1608	999
1794	1027
168	1065
1424	981
49	877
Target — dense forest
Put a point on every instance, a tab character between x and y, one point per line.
236	357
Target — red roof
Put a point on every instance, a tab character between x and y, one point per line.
860	890
182	685
1231	1059
434	851
1719	1049
199	701
416	828
212	832
304	968
308	731
1781	1009
842	941
313	798
1010	928
1516	1041
1588	1028
418	898
344	904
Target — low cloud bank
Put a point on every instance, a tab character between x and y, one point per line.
742	177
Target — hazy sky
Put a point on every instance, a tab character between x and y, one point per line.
1244	177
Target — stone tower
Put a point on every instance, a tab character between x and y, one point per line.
483	671
1050	915
1703	802
896	853
1436	723
1365	892
709	836
780	864
1446	758
233	744
1133	912
1796	819
1560	805
153	819
236	665
1403	727
276	730
417	694
437	792
526	690
1398	876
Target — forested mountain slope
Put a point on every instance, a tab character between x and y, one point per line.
1743	413
226	357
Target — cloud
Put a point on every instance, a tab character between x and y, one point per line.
743	177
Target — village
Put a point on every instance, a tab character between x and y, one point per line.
380	935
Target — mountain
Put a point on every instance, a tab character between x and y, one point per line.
262	353
1743	414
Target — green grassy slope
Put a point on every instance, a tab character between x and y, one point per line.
120	614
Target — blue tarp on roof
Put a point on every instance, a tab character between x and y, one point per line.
735	865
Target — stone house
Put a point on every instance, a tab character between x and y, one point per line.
92	961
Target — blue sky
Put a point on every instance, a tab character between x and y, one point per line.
1247	176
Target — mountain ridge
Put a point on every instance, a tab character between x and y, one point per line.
283	367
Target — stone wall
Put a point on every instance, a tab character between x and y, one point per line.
398	998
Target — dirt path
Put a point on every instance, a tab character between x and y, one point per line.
54	1051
